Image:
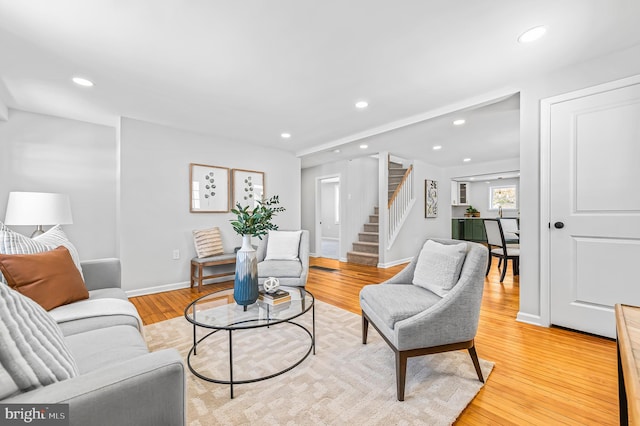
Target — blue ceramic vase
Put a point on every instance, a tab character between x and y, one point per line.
245	286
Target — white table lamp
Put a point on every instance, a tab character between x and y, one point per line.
38	208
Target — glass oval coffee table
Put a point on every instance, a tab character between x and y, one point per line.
219	312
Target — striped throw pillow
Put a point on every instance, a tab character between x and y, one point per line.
55	237
208	242
33	353
14	243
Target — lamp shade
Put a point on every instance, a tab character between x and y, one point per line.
38	208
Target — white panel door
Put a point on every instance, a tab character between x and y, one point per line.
594	208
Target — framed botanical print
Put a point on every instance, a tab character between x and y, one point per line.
248	187
430	198
208	189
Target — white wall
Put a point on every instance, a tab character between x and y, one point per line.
154	198
42	153
416	227
479	198
490	167
601	70
358	196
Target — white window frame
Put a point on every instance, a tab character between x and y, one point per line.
492	188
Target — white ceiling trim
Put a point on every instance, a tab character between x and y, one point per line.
477	101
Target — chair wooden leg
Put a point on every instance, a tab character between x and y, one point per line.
401	373
365	329
504	271
476	362
516	266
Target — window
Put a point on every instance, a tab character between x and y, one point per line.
503	196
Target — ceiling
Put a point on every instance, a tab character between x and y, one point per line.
247	71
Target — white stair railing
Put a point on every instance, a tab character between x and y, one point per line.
399	205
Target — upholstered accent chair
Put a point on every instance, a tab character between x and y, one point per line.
499	248
288	262
416	318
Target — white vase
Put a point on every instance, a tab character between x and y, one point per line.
245	287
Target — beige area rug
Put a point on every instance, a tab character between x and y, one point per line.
346	382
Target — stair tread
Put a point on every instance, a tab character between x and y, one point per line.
367	243
363	254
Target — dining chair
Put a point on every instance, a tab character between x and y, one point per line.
499	248
509	228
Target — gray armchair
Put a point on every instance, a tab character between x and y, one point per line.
415	321
291	273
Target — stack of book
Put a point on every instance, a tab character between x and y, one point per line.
277	297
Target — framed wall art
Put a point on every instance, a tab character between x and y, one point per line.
430	198
208	189
248	187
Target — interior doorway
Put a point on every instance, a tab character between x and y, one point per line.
328	217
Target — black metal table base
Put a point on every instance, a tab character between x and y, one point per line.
231	382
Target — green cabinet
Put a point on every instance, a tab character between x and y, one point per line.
468	229
478	233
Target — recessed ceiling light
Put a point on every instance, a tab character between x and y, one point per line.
364	146
532	34
285	135
337	151
459	122
82	81
472	178
466	160
437	147
362	104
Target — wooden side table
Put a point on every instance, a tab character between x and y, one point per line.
198	265
628	349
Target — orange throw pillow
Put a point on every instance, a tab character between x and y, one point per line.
50	278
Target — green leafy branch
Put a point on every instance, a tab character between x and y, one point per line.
257	221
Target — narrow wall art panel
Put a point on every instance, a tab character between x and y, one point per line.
430	198
248	187
209	189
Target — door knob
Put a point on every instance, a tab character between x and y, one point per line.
558	225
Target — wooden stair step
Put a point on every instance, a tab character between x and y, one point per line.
362	258
366	247
368	237
371	227
374	218
397	172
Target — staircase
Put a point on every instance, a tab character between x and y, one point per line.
396	173
400	201
365	250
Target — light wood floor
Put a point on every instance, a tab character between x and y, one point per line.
542	376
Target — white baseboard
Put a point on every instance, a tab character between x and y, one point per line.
394	263
173	286
530	319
